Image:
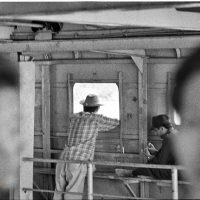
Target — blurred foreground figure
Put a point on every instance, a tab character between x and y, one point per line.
186	101
9	125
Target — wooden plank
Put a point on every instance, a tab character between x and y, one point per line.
103	155
105	163
130	146
46	120
27	103
132	134
145	106
113	61
164	42
69	95
121	107
86	61
140	114
46	110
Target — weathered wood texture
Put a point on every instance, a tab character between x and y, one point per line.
153	101
27	102
59	99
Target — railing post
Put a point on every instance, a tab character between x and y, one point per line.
90	181
174	172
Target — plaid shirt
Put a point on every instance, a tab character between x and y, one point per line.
83	131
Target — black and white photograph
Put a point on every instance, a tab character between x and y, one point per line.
99	100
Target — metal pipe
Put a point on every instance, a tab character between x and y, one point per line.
174	183
90	181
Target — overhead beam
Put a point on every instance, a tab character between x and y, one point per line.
101	44
21	8
168	18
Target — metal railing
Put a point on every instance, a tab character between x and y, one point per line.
174	174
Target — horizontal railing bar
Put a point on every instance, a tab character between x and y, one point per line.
76	193
51	171
50	191
138	179
119	197
106	163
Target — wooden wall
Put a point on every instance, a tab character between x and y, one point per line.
50	136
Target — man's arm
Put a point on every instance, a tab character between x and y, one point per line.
106	123
163	155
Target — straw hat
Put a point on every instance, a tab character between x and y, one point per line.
91	100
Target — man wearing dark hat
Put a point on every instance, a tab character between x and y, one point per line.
83	131
162	127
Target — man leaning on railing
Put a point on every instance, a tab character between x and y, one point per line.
83	131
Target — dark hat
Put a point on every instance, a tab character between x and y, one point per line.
161	120
91	100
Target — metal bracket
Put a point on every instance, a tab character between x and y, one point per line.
139	63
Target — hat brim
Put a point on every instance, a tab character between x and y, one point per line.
82	102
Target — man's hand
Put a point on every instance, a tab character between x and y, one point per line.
151	148
147	153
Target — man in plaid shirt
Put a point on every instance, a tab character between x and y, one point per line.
83	131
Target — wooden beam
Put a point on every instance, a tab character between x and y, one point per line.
46	121
145	106
120	76
46	110
27	105
101	44
140	114
106	163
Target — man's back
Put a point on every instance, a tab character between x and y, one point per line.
83	130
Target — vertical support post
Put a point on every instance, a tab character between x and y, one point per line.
46	112
90	181
27	104
120	76
145	96
69	93
139	62
174	172
140	113
46	120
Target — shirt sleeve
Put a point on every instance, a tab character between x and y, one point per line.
106	123
163	156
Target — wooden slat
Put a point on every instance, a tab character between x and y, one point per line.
46	110
121	107
112	61
145	106
111	145
46	120
106	163
104	156
140	113
164	42
69	95
165	60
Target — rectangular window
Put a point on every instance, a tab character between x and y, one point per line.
108	94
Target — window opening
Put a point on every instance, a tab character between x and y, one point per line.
108	94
